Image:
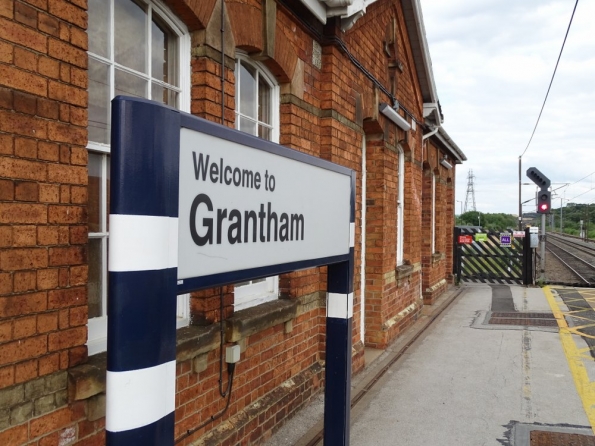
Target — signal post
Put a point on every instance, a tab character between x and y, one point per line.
544	205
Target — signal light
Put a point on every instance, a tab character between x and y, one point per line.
538	178
544	201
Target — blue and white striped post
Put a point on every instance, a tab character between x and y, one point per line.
143	265
339	320
141	361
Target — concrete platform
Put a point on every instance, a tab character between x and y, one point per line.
461	381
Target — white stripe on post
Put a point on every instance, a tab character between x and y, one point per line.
339	305
351	235
142	243
138	398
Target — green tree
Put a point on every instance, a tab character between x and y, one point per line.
570	216
492	222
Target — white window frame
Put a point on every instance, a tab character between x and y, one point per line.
261	70
400	207
257	292
97	327
362	286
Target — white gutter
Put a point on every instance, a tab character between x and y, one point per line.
348	10
421	31
316	8
338	3
451	146
433	132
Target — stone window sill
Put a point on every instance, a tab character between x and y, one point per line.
193	343
437	257
404	271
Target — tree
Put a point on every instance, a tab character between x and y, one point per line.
492	222
572	214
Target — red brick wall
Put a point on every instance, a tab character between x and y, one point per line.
43	118
449	221
437	266
270	358
324	112
43	215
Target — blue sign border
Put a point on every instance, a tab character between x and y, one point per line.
156	193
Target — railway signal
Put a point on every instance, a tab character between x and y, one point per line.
544	197
544	201
538	178
544	204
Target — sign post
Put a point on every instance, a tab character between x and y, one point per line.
197	205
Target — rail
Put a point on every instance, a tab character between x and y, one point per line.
582	268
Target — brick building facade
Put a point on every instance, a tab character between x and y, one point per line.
310	75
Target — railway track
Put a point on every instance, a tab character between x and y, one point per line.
575	255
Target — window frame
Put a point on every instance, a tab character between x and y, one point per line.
256	293
97	327
261	70
400	207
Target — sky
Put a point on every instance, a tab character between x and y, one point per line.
492	62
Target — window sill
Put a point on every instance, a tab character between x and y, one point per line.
404	271
253	320
437	257
88	380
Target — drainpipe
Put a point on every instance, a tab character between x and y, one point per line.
433	132
429	109
426	136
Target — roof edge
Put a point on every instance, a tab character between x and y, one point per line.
450	145
419	43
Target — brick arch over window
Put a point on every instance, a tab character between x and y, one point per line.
285	61
246	23
247	27
194	13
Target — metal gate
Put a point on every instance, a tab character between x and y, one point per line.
492	257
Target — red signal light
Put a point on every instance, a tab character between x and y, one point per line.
544	198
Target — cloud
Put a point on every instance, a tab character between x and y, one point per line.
492	63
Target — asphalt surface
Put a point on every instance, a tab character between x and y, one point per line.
456	379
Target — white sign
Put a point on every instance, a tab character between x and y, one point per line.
242	208
534	230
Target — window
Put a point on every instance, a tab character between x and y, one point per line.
136	48
433	213
257	100
257	113
362	281
400	207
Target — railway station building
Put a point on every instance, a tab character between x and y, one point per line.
349	81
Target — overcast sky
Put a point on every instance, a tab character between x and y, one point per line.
493	61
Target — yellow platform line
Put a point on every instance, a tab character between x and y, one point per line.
576	331
584	387
575	314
